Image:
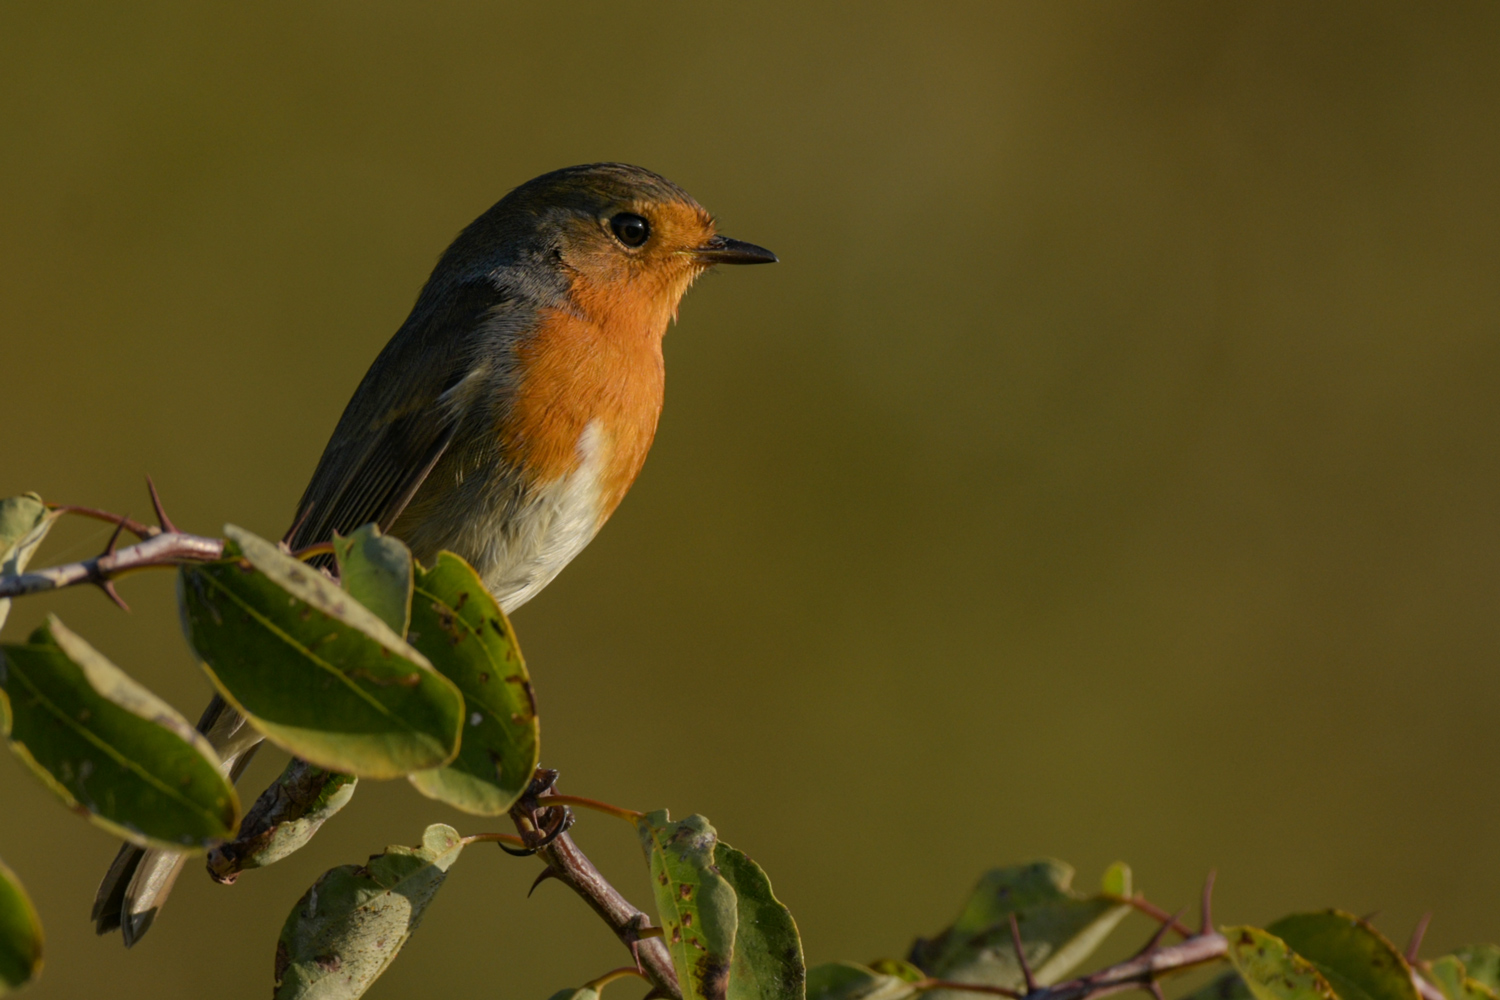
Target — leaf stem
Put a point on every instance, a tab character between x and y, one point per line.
316	549
619	812
625	970
502	838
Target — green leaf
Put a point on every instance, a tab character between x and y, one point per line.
1228	986
1271	970
109	748
1482	962
1356	960
1059	927
376	571
20	934
24	522
349	926
283	819
851	981
458	626
696	904
767	962
898	968
1116	881
1454	980
315	671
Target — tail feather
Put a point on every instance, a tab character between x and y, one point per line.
140	879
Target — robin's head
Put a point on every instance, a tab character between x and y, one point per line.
603	229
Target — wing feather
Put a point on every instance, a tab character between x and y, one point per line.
402	418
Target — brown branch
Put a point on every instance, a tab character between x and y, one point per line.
1139	972
163	549
571	867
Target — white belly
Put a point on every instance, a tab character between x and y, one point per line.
552	526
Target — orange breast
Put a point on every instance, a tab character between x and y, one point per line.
600	360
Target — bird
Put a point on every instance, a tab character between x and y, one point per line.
505	419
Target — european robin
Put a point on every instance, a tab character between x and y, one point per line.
506	418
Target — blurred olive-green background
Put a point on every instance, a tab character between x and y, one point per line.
1109	469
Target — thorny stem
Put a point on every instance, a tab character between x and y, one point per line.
1140	971
163	547
1137	973
570	866
163	550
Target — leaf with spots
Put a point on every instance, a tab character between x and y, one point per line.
851	981
1451	976
696	904
767	963
314	670
24	522
1271	970
458	626
376	570
20	934
283	819
1358	962
1059	927
1228	986
1482	962
346	930
109	748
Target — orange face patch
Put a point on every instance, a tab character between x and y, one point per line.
599	358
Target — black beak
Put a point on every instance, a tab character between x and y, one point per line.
723	250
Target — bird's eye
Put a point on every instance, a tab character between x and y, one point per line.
630	229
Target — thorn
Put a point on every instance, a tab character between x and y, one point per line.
1156	913
640	927
1208	902
544	876
1161	932
1015	939
517	852
1154	988
1414	946
109	549
108	586
161	514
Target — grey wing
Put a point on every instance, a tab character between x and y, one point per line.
402	418
376	485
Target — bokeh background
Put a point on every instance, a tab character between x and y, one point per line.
1109	469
